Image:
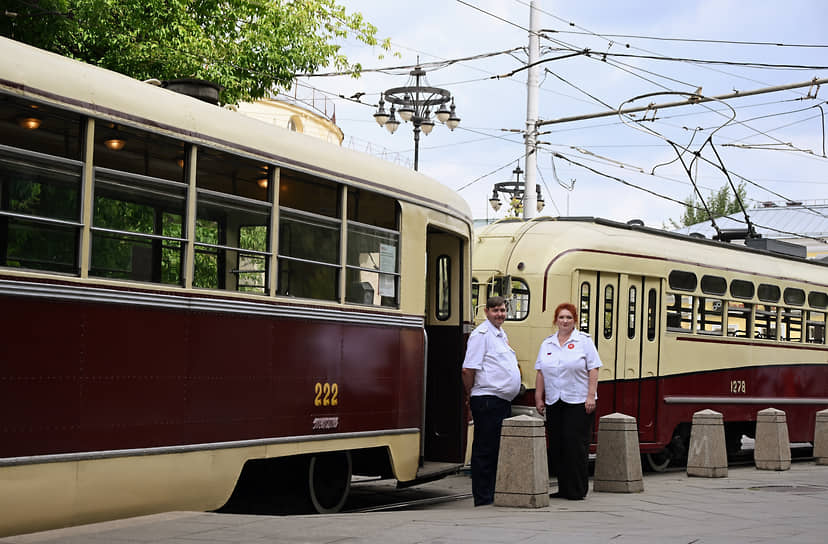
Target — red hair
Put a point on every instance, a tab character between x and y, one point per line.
567	306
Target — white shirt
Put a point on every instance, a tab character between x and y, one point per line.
566	367
496	368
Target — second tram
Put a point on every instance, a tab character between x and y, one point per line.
681	324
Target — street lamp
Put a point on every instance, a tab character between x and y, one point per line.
415	103
513	190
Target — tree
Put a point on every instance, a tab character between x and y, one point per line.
249	47
720	203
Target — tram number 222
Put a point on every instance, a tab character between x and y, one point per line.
327	394
737	386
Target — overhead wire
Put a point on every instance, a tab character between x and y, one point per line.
665	197
693	40
495	171
608	39
744	64
656	57
595	98
649	130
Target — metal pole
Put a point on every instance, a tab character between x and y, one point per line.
650	107
530	200
416	146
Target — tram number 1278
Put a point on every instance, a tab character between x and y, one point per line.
737	386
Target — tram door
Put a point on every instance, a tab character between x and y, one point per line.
445	428
637	365
597	294
607	339
650	297
621	313
629	345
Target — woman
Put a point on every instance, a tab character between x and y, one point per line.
566	391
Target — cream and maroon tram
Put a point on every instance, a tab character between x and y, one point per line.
681	323
190	297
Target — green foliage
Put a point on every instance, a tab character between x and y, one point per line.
720	203
249	47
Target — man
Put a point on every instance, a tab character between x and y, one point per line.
491	378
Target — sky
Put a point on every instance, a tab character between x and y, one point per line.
626	168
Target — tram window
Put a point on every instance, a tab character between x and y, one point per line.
652	312
764	324
684	281
738	318
519	307
818	299
679	312
794	296
232	222
631	313
308	255
309	237
709	319
229	174
768	293
815	328
372	274
741	289
39	212
126	149
713	285
443	302
583	316
475	294
301	192
137	228
609	299
517	296
36	127
372	209
790	325
231	243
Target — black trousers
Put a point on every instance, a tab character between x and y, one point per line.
488	413
569	429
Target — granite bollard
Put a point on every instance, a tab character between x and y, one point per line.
821	438
618	460
772	450
707	456
522	472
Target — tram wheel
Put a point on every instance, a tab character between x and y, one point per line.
658	461
329	481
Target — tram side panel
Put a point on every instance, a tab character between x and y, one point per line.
738	380
96	377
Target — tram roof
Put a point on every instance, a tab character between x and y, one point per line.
544	238
48	77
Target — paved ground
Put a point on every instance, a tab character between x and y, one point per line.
748	506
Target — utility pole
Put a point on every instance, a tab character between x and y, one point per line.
530	201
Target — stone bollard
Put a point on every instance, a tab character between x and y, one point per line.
522	472
772	450
821	438
708	455
618	461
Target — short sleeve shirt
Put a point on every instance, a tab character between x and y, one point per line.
496	368
566	367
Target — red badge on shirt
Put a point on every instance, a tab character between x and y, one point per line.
571	346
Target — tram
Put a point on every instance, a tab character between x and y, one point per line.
193	301
681	323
